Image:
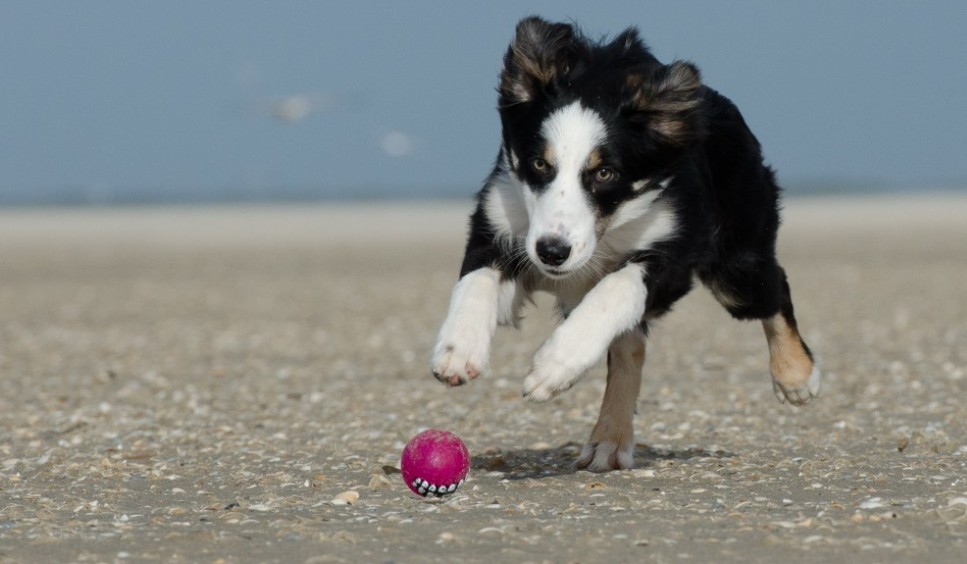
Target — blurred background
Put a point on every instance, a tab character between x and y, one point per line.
117	102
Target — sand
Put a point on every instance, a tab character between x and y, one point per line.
206	384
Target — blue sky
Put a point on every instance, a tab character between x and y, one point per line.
175	99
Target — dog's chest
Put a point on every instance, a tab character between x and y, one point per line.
569	292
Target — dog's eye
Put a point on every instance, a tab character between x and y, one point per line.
539	164
605	174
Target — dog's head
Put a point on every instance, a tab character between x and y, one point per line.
591	133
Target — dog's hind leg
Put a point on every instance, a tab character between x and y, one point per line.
612	443
795	374
753	287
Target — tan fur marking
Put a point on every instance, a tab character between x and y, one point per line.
670	128
640	99
626	356
594	160
724	297
549	155
536	57
671	101
532	64
788	361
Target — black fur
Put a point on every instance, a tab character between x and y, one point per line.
619	179
662	122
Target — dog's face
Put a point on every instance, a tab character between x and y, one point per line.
591	133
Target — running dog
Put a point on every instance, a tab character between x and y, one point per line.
619	181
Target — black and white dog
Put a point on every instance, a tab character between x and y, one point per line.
619	180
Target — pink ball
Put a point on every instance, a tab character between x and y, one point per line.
435	462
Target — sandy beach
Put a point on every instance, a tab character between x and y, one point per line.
205	384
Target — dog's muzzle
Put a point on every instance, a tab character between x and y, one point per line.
553	251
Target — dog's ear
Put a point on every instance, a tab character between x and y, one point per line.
539	53
628	40
668	102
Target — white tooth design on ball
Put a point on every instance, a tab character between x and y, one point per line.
432	488
452	488
424	484
416	483
422	491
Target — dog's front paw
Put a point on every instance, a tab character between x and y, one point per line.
798	392
550	376
553	372
606	456
460	356
544	382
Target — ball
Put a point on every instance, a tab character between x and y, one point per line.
435	462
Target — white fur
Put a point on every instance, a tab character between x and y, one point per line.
613	306
514	161
463	346
600	304
802	394
505	208
510	300
561	210
638	224
640	185
480	301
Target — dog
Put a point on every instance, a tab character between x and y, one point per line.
618	182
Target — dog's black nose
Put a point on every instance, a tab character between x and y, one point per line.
553	251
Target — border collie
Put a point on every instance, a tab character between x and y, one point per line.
619	180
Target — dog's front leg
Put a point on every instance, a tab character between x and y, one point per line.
479	300
612	307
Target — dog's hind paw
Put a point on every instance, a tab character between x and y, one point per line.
799	394
606	456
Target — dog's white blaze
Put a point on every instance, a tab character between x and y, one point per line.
562	209
572	133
